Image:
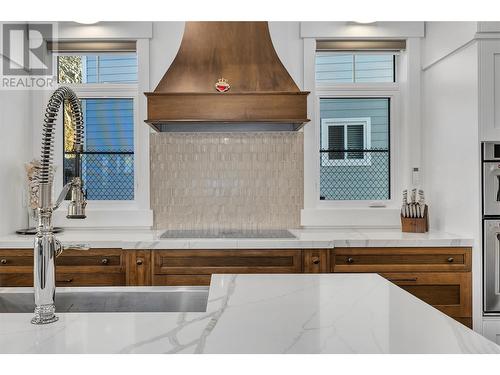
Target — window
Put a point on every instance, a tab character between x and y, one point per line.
108	68
106	85
354	148
346	134
341	67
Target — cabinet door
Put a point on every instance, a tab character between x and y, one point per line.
489	90
387	259
449	292
138	267
316	260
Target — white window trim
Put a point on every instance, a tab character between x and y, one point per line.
345	122
318	213
111	213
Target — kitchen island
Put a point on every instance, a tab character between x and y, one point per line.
261	313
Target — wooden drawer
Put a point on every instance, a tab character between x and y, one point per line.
95	267
66	279
429	259
97	259
449	292
94	260
206	262
13	260
90	279
316	261
181	280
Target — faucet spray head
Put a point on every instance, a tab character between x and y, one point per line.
76	207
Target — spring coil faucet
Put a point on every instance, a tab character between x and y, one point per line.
46	246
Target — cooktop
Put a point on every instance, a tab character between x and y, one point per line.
229	233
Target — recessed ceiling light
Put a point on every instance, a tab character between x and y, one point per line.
87	22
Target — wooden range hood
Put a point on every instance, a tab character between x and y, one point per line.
262	93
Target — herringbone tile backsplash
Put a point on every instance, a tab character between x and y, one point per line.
227	180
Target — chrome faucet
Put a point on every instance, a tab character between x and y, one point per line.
46	246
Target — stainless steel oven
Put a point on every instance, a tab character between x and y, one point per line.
491	179
491	266
491	227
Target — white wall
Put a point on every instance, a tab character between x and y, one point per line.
451	143
15	146
15	150
451	151
442	38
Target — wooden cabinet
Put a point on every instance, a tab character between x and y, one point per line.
316	260
439	276
95	267
138	267
177	267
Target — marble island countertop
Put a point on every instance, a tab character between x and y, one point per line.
326	313
305	238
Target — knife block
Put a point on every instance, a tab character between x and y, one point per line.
416	224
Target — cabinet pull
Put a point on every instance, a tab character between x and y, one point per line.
104	260
409	279
315	260
3	261
64	281
350	260
450	260
139	261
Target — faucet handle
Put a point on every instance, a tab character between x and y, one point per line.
77	246
62	195
76	207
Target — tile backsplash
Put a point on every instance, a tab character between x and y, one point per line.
227	180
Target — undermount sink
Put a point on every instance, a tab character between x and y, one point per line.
111	299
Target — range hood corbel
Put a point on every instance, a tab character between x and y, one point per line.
263	95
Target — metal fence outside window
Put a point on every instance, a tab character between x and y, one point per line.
355	174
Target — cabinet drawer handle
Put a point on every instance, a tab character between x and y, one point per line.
350	260
139	261
3	261
315	260
64	281
450	260
104	260
409	279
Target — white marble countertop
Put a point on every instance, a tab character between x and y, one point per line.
305	238
326	313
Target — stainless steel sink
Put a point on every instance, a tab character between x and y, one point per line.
111	299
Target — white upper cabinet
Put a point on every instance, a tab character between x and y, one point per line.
489	90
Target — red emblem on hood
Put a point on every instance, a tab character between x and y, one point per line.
222	85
